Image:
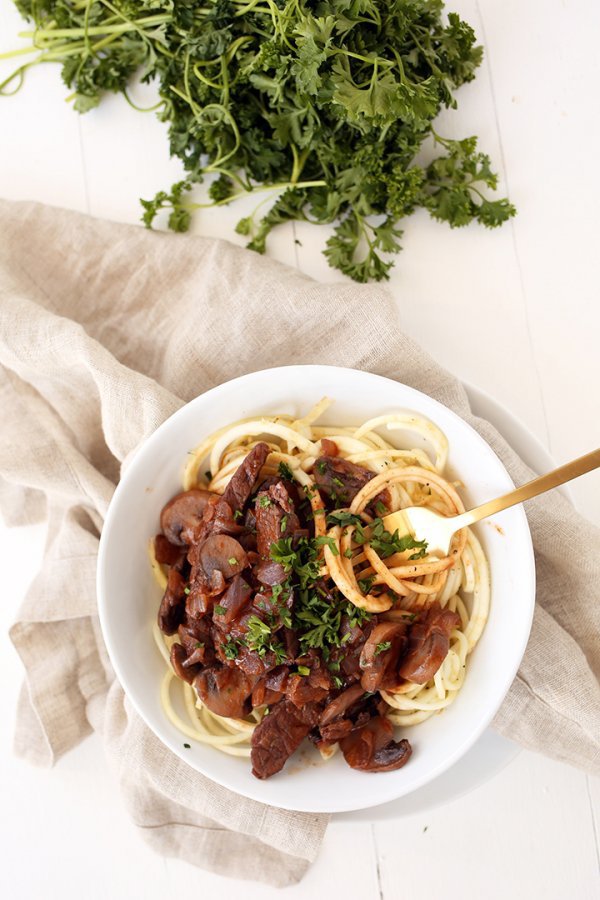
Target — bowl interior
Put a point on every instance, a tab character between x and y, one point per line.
128	596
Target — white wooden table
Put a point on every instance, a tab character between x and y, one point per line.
513	311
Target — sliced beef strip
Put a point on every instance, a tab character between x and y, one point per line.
372	748
244	479
279	735
172	605
428	644
275	517
339	479
377	661
225	691
181	516
342	480
221	516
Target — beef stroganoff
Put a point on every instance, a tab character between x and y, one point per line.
289	612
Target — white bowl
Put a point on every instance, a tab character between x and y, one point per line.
128	596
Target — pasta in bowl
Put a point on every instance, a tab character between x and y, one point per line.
289	618
285	597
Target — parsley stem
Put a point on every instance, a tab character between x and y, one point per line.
299	160
128	25
18	73
266	187
20	52
371	60
142	108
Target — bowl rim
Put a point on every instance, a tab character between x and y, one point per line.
137	460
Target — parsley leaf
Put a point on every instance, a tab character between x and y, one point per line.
386	544
230	649
285	471
260	638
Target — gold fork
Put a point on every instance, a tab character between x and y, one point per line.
425	525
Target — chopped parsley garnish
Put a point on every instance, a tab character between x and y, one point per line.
237	514
329	542
338	481
263	501
321	466
261	639
301	560
257	630
365	584
284	522
186	590
232	561
285	617
282	552
303	670
343	518
380	508
220	610
348	553
318	618
285	471
382	647
231	649
386	544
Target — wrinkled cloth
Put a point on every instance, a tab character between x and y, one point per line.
105	331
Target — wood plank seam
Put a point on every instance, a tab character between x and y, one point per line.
513	232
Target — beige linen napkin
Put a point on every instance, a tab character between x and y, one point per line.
105	330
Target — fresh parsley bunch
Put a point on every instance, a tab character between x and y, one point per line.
323	104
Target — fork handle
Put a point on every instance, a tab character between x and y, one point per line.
538	486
